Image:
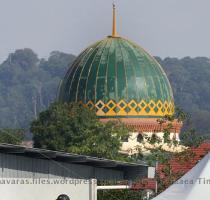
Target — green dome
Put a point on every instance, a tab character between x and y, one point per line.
117	78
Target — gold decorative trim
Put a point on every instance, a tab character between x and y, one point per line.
132	108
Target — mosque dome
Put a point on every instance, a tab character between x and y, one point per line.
118	79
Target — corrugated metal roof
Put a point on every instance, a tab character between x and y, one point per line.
67	157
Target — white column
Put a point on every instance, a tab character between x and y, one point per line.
93	189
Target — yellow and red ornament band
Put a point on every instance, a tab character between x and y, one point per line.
132	108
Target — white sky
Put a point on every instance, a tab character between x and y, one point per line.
163	27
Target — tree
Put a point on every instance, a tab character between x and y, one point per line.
189	78
11	136
121	195
191	139
28	85
57	63
76	129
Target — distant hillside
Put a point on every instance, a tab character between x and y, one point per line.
190	80
29	84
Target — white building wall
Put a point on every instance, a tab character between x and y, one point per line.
133	146
80	191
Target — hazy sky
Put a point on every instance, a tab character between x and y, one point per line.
163	27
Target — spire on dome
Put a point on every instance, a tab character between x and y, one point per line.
114	29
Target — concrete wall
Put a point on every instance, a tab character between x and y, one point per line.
26	189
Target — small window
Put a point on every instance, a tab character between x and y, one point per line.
125	138
140	137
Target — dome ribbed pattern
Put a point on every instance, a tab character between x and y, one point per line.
118	78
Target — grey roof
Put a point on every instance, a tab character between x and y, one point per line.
67	157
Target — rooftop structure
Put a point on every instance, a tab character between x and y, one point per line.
118	79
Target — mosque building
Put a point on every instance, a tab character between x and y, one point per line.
120	80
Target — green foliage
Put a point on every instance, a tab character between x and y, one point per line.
75	129
154	139
28	85
157	156
11	136
191	139
190	82
166	135
57	63
121	195
167	176
181	115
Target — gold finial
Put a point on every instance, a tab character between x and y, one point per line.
114	29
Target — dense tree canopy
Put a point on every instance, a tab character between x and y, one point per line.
75	129
11	136
28	85
190	82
